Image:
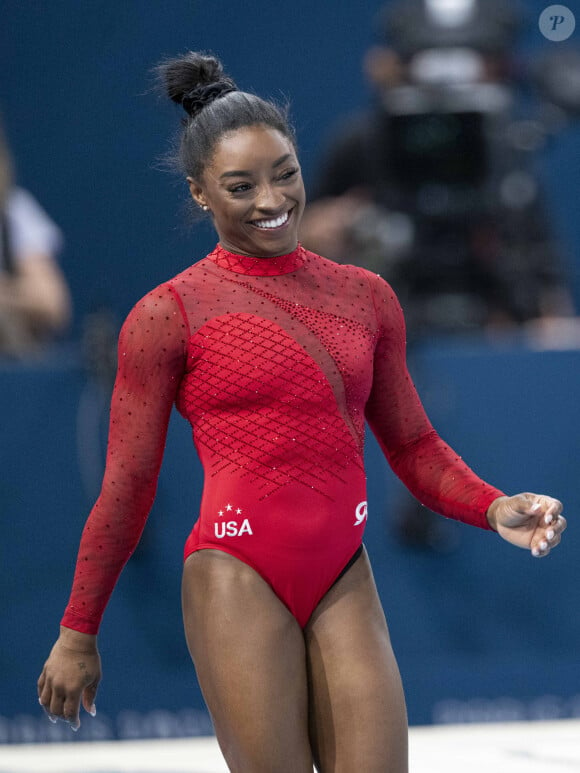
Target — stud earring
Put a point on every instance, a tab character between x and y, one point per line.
204	207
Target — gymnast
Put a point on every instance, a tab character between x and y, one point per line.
277	357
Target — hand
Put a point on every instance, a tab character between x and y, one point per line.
71	673
532	521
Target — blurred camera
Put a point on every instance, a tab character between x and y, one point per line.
457	223
451	132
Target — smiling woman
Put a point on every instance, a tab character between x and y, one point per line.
253	188
275	356
238	153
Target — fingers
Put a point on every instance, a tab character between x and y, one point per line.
57	704
89	695
59	707
548	537
45	697
72	672
71	710
64	710
548	534
539	504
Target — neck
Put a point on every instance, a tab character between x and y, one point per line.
253	265
232	249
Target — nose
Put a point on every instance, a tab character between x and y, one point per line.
270	199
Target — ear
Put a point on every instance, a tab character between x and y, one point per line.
197	193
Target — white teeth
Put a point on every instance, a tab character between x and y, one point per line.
272	223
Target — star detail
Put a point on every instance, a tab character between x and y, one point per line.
228	508
239	511
221	512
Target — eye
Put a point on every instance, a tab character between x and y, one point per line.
288	174
239	188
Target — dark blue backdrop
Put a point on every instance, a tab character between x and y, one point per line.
482	633
86	131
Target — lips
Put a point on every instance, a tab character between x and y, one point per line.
272	224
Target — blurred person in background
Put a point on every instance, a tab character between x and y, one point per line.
35	303
434	187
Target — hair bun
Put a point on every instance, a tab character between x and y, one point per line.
200	96
194	80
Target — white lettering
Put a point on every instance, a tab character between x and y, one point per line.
232	529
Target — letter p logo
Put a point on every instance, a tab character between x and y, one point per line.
557	23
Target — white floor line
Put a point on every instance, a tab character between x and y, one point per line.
526	747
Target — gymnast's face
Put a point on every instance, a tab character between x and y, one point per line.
254	190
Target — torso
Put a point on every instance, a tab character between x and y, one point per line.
279	368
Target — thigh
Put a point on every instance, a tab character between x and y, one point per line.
358	717
249	656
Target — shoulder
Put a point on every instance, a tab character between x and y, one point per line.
165	303
169	291
387	307
159	309
378	285
351	273
190	277
154	335
326	265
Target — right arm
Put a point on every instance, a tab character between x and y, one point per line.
152	347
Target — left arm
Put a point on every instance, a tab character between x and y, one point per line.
433	472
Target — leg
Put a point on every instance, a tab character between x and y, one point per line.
358	718
250	660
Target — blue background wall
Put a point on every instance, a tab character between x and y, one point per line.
483	632
86	132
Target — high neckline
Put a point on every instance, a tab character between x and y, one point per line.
252	266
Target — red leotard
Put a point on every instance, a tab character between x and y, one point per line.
275	362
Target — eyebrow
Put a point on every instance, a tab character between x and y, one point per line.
244	173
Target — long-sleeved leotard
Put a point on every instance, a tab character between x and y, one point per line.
275	362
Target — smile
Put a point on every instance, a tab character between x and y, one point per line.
277	222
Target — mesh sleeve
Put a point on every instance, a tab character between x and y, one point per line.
430	469
151	356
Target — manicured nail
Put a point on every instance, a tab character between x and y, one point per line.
93	711
543	545
535	552
548	519
550	534
535	506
